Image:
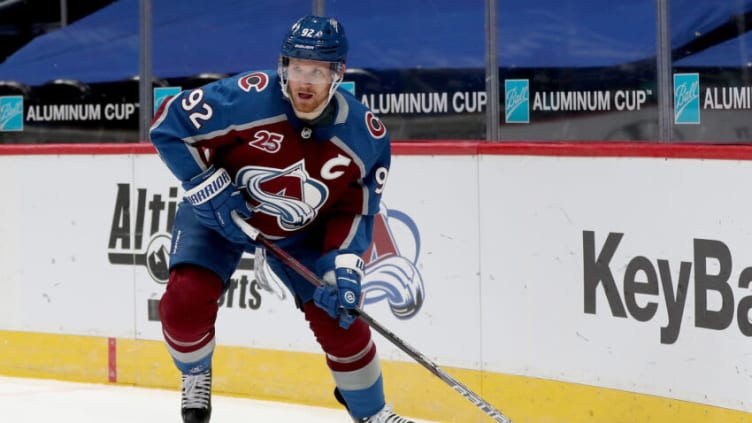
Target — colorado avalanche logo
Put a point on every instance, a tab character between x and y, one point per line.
391	275
257	80
290	194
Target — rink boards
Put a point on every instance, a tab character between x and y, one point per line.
561	282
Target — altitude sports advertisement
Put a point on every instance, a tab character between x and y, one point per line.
140	236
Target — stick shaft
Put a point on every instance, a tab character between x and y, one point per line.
391	337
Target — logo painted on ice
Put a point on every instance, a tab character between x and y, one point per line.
11	113
517	100
686	98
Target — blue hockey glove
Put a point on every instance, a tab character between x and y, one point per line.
214	197
341	293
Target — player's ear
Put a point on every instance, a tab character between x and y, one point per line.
341	71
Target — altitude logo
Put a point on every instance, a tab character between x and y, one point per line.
11	113
140	235
144	240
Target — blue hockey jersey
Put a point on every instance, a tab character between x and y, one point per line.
321	182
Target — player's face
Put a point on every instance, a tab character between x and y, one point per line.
308	83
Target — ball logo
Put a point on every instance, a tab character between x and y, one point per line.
686	98
11	113
161	94
517	100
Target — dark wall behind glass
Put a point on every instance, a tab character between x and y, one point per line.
576	70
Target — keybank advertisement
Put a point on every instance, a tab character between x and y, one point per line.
624	273
628	273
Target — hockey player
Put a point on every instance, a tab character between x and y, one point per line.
305	164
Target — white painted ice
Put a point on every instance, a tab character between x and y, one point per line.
47	401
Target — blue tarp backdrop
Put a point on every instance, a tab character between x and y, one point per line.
228	36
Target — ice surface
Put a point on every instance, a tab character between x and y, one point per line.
40	401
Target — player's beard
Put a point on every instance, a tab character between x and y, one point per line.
308	103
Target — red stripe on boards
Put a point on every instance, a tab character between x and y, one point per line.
450	148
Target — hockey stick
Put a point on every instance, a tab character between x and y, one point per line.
311	277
